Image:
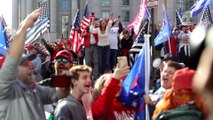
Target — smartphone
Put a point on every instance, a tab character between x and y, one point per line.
122	61
60	81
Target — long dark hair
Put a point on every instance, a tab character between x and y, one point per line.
101	25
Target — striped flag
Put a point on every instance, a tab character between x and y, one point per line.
166	30
40	26
207	18
3	37
85	20
75	37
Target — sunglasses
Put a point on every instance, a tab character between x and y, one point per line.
64	60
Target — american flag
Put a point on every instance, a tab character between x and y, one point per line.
40	26
207	18
85	20
75	37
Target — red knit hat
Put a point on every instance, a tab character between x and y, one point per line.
183	79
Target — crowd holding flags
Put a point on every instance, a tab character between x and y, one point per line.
3	37
40	26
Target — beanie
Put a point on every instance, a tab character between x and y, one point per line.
183	79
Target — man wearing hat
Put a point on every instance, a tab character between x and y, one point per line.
184	48
20	97
37	63
63	61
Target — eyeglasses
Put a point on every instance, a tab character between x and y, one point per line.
64	60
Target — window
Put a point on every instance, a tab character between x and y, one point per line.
125	2
105	3
65	5
64	26
105	14
125	16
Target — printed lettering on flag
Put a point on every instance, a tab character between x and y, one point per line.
41	26
75	33
139	17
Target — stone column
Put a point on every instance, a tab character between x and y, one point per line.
15	14
23	9
171	7
29	6
74	8
53	20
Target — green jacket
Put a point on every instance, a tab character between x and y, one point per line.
185	112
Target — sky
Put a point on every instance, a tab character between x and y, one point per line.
6	11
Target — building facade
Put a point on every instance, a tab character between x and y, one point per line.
62	12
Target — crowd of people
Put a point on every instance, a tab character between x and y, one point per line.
49	81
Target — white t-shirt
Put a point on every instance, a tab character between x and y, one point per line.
113	38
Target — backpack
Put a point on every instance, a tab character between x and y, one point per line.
186	112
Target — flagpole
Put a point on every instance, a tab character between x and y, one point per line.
202	16
147	69
48	35
169	44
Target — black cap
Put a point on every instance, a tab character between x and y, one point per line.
170	56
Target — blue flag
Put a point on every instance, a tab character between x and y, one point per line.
181	11
134	85
3	38
166	30
147	16
199	6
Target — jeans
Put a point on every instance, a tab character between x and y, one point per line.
103	58
113	58
91	58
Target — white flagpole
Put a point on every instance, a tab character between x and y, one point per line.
147	69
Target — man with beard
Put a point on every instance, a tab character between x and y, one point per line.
63	61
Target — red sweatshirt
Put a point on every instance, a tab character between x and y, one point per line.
108	107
